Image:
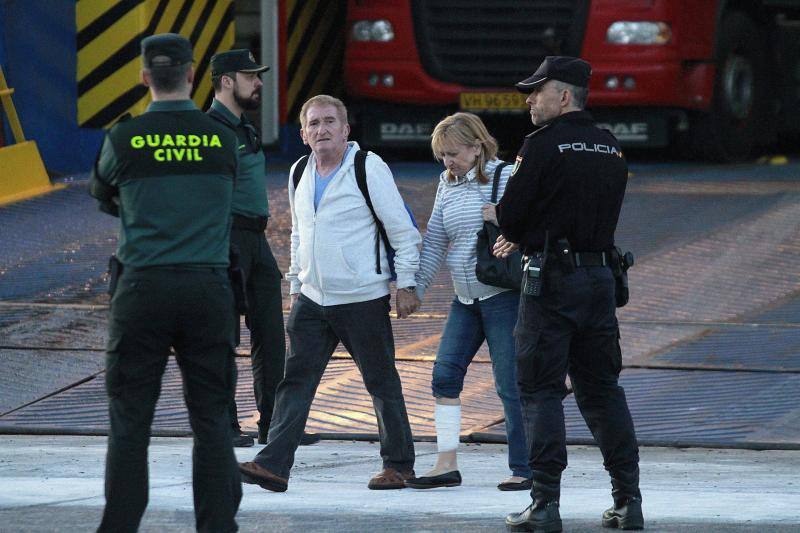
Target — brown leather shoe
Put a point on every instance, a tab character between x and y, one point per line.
390	478
255	474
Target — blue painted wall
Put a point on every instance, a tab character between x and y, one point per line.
3	133
38	54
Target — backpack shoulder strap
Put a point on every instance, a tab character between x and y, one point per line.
299	168
361	176
361	180
496	182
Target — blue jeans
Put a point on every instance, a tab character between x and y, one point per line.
467	327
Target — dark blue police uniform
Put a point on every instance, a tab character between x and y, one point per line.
562	202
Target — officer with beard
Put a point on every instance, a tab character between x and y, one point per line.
236	78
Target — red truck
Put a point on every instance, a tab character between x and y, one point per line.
719	76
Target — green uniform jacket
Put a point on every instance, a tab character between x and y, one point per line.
250	194
173	171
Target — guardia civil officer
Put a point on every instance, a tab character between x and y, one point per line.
561	206
236	78
168	174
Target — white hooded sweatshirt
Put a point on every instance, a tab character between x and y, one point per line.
333	247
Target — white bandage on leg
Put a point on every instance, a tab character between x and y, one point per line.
448	426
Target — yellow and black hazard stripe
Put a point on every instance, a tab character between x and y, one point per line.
108	39
314	51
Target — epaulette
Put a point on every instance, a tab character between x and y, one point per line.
122	118
610	133
219	117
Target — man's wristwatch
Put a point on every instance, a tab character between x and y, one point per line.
411	290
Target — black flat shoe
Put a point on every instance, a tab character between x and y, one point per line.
516	485
448	479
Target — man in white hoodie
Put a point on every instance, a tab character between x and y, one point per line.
340	292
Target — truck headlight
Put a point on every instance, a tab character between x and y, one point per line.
373	30
623	32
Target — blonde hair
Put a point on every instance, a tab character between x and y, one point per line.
323	100
465	129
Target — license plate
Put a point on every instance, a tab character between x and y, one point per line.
476	101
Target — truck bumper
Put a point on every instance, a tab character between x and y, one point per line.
645	127
378	124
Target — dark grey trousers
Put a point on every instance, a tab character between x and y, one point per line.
314	332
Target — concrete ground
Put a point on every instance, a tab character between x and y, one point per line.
55	483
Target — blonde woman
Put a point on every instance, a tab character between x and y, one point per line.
478	312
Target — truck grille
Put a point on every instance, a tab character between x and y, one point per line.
495	43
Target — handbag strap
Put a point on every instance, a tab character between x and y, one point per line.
496	182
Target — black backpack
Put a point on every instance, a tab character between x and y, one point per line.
361	180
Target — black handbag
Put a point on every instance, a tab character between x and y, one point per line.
491	270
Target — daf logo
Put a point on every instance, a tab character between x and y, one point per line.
405	131
627	131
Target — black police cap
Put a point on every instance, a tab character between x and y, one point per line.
239	60
166	50
572	70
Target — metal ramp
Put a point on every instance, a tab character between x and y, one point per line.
711	338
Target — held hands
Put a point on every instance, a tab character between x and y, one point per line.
503	248
407	303
489	212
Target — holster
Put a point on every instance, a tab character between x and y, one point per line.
620	263
114	272
564	256
236	276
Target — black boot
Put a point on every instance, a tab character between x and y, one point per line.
542	515
309	438
627	510
263	430
242	439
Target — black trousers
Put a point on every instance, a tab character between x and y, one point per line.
572	329
192	311
314	332
264	319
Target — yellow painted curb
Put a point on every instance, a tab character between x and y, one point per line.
22	173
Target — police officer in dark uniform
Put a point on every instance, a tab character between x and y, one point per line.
168	174
235	76
561	206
